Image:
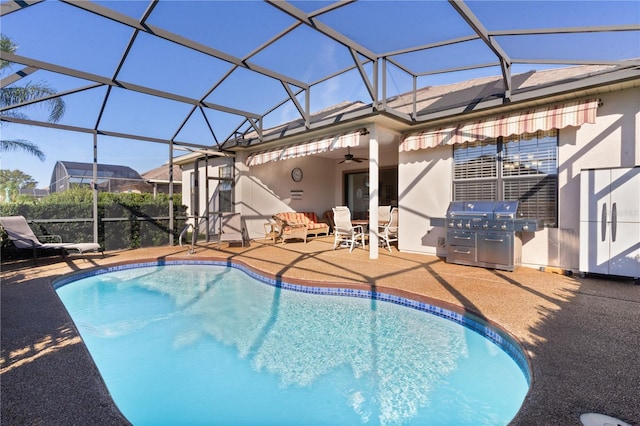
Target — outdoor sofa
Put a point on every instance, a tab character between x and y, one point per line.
299	225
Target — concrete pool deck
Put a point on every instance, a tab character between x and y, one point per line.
582	335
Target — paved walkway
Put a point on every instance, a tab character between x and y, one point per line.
582	335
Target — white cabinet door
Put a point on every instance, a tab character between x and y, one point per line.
594	250
610	221
625	194
594	230
624	251
624	223
594	194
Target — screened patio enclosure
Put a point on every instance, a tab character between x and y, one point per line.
223	78
110	177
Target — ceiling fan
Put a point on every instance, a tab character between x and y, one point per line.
349	158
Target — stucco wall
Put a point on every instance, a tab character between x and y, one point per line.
266	189
424	191
203	172
613	141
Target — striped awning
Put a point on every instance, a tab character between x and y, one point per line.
306	148
530	121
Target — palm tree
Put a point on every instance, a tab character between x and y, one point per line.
30	92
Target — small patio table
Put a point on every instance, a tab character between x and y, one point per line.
270	231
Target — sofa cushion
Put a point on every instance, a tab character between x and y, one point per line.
310	219
299	217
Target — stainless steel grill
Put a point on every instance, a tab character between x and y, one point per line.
486	233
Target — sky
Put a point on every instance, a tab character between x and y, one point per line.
64	35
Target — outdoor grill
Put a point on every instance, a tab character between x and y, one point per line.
486	233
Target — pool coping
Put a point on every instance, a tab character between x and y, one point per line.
464	317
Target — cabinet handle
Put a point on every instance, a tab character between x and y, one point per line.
461	238
614	221
603	224
493	240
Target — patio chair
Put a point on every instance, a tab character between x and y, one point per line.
389	231
384	214
231	228
22	236
345	232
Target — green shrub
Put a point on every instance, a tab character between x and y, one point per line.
126	220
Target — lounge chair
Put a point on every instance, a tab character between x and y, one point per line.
389	231
345	232
22	236
231	229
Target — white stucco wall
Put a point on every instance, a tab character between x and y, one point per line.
265	190
203	171
613	141
424	191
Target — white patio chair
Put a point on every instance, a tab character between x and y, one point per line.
389	231
22	236
384	214
345	232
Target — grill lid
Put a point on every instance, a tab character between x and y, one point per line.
506	210
499	210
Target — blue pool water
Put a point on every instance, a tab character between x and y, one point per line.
208	344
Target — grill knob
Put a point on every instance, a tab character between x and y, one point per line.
504	226
450	224
485	225
525	227
459	224
468	225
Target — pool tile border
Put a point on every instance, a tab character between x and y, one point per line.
501	339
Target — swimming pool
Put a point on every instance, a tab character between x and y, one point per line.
209	343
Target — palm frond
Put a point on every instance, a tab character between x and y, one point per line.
22	145
30	93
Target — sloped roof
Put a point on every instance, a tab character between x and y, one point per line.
443	100
161	174
471	92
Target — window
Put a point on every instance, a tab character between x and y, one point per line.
221	197
522	168
225	188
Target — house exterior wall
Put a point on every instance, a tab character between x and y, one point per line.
425	178
424	191
203	170
425	184
266	189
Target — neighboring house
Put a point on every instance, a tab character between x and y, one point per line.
110	178
454	142
158	178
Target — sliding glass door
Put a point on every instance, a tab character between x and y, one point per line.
356	191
